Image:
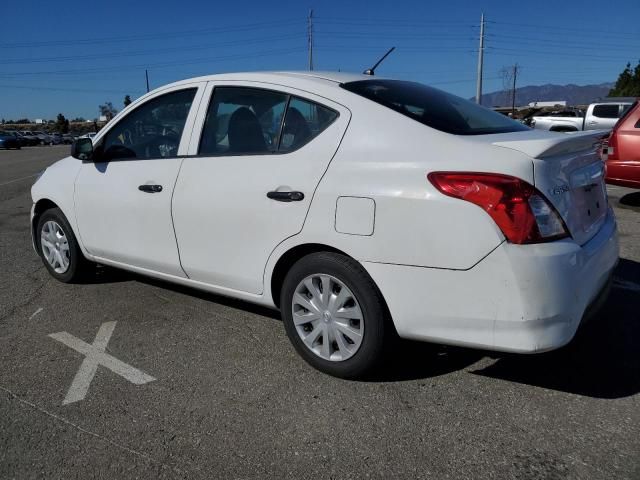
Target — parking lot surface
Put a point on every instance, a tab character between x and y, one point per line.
208	387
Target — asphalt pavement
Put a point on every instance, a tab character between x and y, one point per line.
151	380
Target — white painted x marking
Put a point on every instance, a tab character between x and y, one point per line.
95	355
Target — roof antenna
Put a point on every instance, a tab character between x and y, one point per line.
372	70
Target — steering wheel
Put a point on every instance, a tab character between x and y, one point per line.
161	146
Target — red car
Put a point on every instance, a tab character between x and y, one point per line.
621	150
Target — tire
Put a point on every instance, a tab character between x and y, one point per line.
77	266
358	356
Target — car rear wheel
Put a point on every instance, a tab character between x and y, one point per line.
334	314
58	247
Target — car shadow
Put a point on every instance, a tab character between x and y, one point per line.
630	199
602	361
105	274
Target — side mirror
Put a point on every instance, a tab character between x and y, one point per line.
82	149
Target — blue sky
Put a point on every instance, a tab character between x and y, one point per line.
70	57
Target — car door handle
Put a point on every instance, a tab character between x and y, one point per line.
150	188
286	196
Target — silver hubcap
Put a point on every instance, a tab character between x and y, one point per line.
327	317
55	247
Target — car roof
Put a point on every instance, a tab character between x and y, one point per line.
290	78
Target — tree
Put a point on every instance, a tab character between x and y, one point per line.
628	83
79	120
108	110
62	124
127	100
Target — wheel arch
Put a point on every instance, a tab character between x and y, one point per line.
39	208
563	128
289	258
295	253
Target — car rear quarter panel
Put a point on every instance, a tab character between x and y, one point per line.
386	157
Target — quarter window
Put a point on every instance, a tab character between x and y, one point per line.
304	121
152	130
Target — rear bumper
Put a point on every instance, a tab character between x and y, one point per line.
520	298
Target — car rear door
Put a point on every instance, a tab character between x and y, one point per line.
123	199
257	154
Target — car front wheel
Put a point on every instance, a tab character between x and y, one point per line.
334	315
58	247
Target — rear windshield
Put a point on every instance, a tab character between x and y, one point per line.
434	108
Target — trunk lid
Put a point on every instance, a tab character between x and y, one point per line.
568	170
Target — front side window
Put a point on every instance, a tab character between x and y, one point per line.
434	108
242	121
152	130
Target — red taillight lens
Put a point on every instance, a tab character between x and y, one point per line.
611	152
522	213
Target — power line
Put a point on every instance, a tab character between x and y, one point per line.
152	36
563	29
570	54
80	71
188	48
70	89
528	40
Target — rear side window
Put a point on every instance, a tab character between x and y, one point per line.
434	108
606	111
243	121
252	121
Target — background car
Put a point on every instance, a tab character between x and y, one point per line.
21	140
30	137
597	117
621	150
9	140
56	138
44	138
67	138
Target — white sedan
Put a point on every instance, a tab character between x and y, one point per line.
360	207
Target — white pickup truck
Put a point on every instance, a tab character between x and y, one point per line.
599	116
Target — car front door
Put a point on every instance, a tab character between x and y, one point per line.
258	153
123	196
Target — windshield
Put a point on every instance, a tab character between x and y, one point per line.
434	108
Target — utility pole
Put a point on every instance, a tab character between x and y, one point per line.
146	74
513	90
310	38
480	62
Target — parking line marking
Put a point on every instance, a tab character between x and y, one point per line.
19	179
36	313
95	355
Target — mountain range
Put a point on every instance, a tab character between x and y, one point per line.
573	94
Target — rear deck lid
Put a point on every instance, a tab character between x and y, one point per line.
569	172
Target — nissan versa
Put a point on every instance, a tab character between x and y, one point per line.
360	207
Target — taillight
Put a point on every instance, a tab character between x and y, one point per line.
522	213
610	152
